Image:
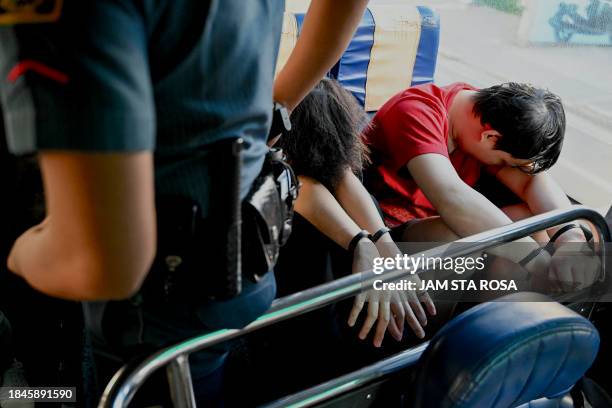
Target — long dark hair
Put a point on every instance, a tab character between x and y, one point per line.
325	137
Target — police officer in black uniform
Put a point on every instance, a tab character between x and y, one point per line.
129	103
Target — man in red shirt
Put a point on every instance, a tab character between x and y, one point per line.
430	144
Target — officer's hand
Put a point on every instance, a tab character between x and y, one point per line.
574	266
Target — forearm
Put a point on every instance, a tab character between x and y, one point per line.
317	205
33	257
327	30
358	203
464	210
543	194
58	266
468	212
99	238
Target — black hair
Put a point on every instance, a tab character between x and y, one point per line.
325	137
531	122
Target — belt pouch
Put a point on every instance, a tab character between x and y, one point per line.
224	262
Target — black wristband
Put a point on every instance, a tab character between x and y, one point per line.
588	235
378	234
353	244
550	247
523	262
563	230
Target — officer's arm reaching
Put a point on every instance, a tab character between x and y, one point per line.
98	239
328	28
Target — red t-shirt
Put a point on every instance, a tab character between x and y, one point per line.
412	123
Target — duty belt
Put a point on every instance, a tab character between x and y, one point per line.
208	257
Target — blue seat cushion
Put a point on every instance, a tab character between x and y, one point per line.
506	353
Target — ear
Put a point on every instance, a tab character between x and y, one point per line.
489	136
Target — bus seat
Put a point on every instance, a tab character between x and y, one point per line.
506	353
394	47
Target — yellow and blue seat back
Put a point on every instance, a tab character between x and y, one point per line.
394	47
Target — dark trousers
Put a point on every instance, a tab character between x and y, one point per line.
123	332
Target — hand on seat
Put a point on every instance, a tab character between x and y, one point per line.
413	300
574	267
388	309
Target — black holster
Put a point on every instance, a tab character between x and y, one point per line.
267	213
200	258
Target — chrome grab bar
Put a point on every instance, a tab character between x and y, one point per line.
124	384
351	381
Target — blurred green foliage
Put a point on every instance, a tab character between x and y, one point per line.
509	6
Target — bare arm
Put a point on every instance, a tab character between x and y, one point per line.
357	202
320	208
541	193
99	238
328	28
568	268
462	208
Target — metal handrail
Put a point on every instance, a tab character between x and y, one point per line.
351	381
126	382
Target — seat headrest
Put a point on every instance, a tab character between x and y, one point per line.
505	353
394	47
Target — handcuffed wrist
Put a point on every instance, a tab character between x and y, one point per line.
379	234
356	239
563	230
562	237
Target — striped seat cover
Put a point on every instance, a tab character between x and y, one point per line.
395	46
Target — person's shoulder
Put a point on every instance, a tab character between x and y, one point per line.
457	86
416	99
418	115
422	90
